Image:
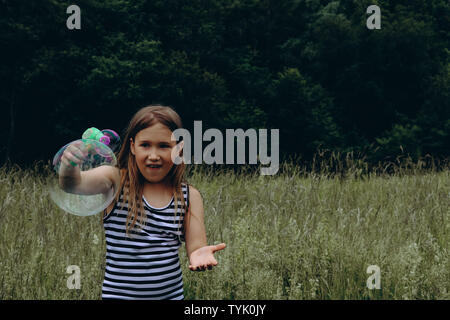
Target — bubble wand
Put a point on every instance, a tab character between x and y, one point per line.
109	140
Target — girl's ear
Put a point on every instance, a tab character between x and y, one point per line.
132	146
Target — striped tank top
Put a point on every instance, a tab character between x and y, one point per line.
144	265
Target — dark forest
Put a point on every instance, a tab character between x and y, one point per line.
310	68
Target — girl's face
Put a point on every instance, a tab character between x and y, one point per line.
152	149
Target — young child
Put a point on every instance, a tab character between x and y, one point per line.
147	221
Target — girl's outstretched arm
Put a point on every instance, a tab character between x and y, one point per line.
201	256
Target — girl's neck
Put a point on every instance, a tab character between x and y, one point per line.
162	186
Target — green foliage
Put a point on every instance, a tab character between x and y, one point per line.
404	138
309	123
310	68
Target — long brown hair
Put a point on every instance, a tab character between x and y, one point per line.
131	180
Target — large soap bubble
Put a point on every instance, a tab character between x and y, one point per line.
91	152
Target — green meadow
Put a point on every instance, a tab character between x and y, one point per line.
300	234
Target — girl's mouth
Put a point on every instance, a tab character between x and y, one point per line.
154	166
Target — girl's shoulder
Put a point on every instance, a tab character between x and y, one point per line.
189	187
193	194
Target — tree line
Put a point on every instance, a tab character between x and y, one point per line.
310	68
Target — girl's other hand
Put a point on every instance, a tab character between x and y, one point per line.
203	258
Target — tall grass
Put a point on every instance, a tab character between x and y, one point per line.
308	232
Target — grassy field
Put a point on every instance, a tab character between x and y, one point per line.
300	234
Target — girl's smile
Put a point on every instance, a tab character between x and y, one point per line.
150	166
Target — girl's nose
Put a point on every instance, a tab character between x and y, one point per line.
153	155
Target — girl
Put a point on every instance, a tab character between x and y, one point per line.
147	221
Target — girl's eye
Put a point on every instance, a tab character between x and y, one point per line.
145	145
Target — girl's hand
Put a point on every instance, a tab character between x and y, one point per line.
69	171
73	155
203	257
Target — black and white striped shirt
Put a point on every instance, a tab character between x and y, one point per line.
144	265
